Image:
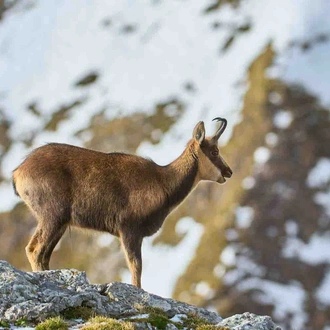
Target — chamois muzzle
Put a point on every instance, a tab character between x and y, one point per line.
226	173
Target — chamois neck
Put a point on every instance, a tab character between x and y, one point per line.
181	175
186	160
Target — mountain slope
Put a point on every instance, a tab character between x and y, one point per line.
136	76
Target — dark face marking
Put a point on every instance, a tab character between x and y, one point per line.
211	151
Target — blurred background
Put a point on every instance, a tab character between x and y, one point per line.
136	76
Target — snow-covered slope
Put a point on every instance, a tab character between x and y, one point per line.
144	52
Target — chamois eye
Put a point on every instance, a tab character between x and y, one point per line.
215	153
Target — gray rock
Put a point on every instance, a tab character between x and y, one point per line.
248	321
137	298
40	295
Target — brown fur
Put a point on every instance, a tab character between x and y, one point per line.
125	195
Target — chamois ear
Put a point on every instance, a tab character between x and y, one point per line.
199	132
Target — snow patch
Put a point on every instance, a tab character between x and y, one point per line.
283	119
323	290
323	198
291	228
244	266
319	175
204	290
311	68
261	155
244	216
228	255
13	158
7	197
248	182
219	270
315	252
183	225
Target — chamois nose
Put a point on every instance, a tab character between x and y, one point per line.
228	173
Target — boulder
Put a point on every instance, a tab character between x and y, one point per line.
37	296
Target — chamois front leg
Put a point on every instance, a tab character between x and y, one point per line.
132	247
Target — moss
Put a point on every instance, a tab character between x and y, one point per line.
157	320
4	324
21	322
78	312
106	323
157	317
193	321
151	310
54	323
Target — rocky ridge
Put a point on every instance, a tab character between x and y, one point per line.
30	298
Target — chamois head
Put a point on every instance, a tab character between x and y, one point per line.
212	166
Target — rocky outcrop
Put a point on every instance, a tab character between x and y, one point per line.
34	297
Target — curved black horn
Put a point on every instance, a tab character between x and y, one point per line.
222	127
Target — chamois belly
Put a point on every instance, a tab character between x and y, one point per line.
98	218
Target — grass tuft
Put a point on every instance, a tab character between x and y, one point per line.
157	320
152	310
157	317
53	323
21	323
106	323
4	324
194	321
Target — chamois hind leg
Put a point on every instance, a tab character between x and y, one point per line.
51	246
42	244
30	248
132	247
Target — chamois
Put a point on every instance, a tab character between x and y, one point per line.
125	195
